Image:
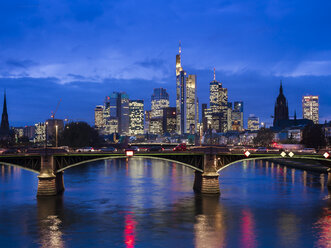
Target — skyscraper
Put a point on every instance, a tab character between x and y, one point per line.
119	109
186	100
253	123
169	120
281	108
204	108
310	108
98	117
136	117
218	105
237	116
147	121
160	100
4	128
191	104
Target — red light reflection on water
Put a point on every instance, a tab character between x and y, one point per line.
129	231
248	238
324	224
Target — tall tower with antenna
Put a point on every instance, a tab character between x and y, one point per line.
186	99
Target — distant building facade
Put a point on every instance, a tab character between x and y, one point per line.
237	116
136	117
119	109
218	101
99	117
310	108
159	101
253	123
40	132
29	131
169	120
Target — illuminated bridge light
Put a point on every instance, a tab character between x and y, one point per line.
129	153
247	153
283	154
326	155
291	154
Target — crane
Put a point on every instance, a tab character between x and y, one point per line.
54	112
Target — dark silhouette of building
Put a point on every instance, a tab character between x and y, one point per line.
4	128
281	117
169	120
281	108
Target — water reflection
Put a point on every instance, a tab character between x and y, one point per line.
129	230
209	230
50	224
323	226
248	236
150	203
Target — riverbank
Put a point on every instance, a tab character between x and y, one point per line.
308	165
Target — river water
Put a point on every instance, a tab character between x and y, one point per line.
150	203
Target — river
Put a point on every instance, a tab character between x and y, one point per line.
150	203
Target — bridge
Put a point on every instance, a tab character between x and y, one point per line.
207	162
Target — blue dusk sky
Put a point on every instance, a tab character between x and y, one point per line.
81	51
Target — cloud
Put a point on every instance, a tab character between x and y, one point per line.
151	63
20	63
313	68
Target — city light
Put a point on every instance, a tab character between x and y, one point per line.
129	153
283	154
326	155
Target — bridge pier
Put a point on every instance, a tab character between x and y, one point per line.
49	184
207	182
329	180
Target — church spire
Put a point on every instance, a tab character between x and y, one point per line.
281	87
4	110
4	128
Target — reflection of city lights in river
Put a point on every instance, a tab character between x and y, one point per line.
248	238
129	231
51	235
324	226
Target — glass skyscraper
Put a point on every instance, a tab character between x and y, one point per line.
310	108
218	105
119	109
160	100
186	100
136	117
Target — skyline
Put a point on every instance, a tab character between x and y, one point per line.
80	50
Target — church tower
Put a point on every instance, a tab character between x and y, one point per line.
4	128
281	107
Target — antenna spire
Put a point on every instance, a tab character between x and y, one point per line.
214	74
180	47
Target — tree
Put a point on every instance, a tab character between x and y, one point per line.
79	134
313	136
264	137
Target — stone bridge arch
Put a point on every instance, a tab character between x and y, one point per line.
123	156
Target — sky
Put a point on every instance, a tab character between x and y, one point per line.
81	51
